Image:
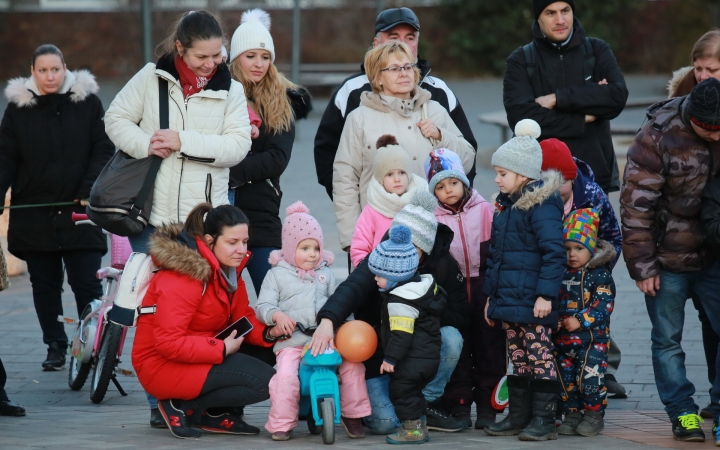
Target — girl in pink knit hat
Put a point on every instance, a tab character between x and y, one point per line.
293	291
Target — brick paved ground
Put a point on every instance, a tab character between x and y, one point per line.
59	417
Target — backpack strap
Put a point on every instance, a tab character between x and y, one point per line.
149	183
530	52
589	56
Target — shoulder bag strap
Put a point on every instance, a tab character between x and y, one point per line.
149	182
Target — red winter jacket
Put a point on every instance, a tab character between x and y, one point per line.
175	348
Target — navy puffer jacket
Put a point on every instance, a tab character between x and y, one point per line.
527	257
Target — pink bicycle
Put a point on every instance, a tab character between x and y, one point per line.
97	344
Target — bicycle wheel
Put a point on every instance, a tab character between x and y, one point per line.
79	371
106	362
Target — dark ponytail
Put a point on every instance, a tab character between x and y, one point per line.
46	49
216	220
192	26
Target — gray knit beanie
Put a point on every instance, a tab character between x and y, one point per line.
419	216
521	154
390	156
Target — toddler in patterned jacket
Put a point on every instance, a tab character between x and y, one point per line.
587	298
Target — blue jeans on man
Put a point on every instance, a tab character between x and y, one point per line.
383	419
667	315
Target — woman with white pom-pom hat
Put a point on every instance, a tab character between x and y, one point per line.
526	263
279	103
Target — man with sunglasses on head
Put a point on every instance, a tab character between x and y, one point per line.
392	24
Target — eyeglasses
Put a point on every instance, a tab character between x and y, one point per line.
397	69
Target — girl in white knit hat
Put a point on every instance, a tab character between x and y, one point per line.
392	186
525	270
279	103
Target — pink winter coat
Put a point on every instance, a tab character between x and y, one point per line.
472	228
370	227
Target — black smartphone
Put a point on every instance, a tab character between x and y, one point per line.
242	325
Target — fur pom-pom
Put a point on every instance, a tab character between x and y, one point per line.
329	257
527	127
400	234
297	207
425	200
275	257
256	15
385	140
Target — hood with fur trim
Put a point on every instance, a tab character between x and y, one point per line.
537	191
24	91
604	255
681	80
172	249
386	104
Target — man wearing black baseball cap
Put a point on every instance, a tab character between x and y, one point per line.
669	165
392	24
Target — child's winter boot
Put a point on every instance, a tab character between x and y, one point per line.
519	412
592	424
544	403
410	432
570	424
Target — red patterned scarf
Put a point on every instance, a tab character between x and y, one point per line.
191	83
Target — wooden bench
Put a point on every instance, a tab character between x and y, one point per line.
322	74
499	119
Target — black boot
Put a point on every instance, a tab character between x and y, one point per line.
56	357
178	418
544	404
8	408
519	412
156	419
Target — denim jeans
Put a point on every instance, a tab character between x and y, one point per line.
383	419
667	315
141	242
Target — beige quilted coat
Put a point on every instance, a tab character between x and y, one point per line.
214	130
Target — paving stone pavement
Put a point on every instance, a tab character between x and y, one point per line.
61	418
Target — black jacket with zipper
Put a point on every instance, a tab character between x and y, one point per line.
359	294
560	71
347	98
52	148
257	178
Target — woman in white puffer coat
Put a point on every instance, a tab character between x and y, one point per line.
209	125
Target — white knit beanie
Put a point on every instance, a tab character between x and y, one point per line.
253	33
521	154
390	156
419	216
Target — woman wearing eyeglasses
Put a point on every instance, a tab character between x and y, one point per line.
398	106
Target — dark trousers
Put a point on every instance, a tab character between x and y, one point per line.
710	338
3	379
238	381
46	276
581	360
258	266
407	384
483	359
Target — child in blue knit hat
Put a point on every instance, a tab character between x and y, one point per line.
410	333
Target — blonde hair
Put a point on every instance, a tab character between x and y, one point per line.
708	46
268	97
376	59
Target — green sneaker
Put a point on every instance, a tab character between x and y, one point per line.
411	432
687	428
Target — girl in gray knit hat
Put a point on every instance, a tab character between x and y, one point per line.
525	270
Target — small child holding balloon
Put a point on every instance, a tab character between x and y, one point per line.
293	291
410	332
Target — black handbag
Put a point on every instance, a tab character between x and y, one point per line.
121	198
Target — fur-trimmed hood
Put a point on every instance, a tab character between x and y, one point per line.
172	249
24	91
604	255
678	77
536	192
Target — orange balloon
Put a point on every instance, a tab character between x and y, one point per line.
356	341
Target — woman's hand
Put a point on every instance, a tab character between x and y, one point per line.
164	142
232	345
429	130
323	337
83	202
542	308
283	324
387	367
487	319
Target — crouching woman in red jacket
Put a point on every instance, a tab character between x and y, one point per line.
197	293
